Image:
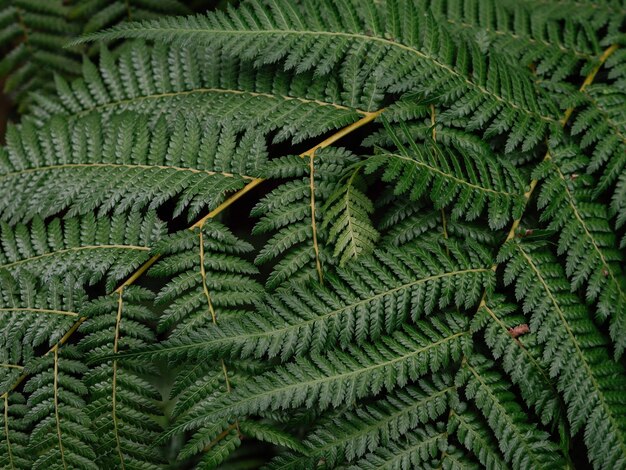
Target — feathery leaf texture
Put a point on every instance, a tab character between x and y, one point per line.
85	248
156	81
357	32
123	164
317	234
291	212
468	182
574	349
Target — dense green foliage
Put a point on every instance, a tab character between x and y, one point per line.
353	234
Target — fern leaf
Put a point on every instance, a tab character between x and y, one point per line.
586	239
267	32
33	314
520	357
265	99
86	248
123	164
574	350
291	212
521	442
476	436
121	403
467	182
349	435
375	296
350	227
343	376
209	279
14	440
61	437
419	447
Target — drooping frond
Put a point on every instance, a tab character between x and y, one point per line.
585	238
371	38
342	376
293	211
521	442
374	296
348	435
465	181
125	163
208	278
32	314
121	403
86	248
161	80
60	436
574	350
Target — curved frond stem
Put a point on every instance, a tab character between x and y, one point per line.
5	397
316	248
11	366
217	91
118	321
74	249
57	417
40	310
119	165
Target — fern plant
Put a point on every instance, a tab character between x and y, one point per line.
318	234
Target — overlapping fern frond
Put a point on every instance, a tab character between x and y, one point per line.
316	234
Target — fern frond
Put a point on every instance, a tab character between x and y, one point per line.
60	436
417	450
14	437
87	248
162	80
602	129
521	442
209	279
347	217
298	247
574	349
376	295
33	313
520	357
34	35
349	435
473	433
121	404
124	163
341	377
554	49
467	182
585	238
375	37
